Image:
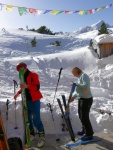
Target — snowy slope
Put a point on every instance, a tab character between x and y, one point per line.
47	60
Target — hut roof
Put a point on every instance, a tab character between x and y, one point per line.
103	38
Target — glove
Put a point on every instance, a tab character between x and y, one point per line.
15	97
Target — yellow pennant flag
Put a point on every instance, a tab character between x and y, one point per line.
81	12
9	8
54	12
98	9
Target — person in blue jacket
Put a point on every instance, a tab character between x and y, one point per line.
85	100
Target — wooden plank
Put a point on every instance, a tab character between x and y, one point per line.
3	140
1	148
106	49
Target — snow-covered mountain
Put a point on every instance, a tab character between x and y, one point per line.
85	29
92	27
46	60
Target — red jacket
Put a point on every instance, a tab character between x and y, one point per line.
32	81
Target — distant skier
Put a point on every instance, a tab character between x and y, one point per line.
33	96
84	103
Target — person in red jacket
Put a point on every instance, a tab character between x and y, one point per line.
33	96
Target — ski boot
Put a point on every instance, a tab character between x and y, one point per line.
41	140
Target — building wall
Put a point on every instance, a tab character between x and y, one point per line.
106	49
103	50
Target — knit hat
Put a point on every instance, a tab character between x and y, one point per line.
21	65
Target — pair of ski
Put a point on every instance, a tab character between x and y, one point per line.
25	114
65	114
80	142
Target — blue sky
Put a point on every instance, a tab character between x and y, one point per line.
62	22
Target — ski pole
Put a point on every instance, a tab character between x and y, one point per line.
49	105
7	103
57	84
15	86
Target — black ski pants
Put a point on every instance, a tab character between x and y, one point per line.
84	105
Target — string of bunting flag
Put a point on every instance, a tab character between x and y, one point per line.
24	10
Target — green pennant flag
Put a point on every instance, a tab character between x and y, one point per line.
22	10
60	11
86	12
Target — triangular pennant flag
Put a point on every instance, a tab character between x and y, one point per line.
86	12
9	8
81	12
54	12
110	5
98	9
60	11
69	11
22	10
90	11
93	10
31	10
107	6
1	6
76	11
46	11
39	12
